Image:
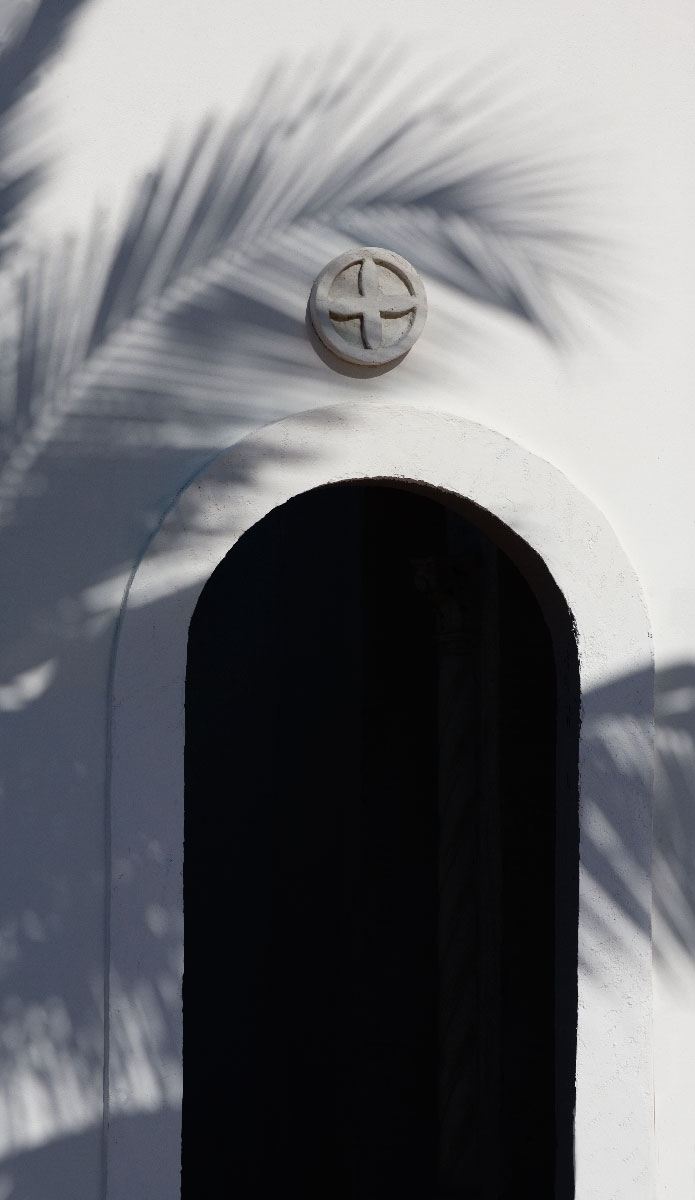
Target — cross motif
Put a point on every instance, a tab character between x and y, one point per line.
371	304
338	298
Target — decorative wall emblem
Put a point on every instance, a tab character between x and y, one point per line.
368	306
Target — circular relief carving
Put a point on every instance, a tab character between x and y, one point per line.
368	306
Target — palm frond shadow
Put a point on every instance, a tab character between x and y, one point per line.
32	39
146	339
212	267
611	736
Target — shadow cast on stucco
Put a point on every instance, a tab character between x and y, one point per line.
614	736
29	35
674	821
66	1161
200	295
131	359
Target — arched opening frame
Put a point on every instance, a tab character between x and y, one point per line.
511	490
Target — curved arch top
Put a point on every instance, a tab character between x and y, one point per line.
359	441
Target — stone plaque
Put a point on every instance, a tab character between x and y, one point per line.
368	306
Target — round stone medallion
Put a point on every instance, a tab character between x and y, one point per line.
368	306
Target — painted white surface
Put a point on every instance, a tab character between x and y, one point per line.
610	83
613	1131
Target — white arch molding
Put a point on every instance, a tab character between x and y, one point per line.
613	1125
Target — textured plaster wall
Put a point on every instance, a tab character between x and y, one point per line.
604	91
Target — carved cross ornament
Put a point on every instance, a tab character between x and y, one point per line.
368	306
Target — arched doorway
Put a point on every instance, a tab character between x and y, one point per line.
573	553
381	860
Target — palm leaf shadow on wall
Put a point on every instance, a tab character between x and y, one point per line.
129	341
200	292
30	34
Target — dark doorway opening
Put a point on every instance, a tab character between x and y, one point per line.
381	861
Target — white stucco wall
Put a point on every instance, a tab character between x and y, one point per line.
613	1123
604	93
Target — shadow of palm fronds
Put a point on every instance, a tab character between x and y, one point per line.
29	35
221	243
614	734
